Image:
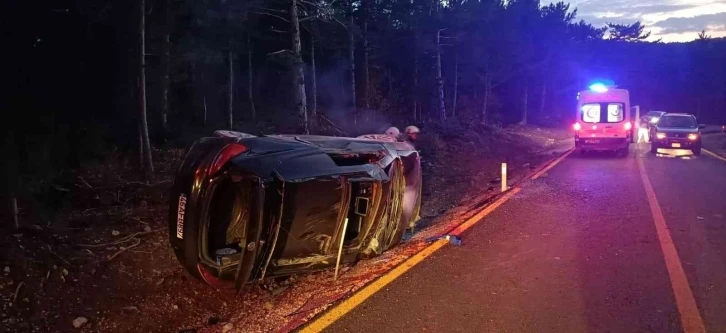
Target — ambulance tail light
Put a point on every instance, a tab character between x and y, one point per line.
577	126
628	126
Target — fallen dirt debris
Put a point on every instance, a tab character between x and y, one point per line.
79	322
129	309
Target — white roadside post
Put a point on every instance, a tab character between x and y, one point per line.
340	249
504	177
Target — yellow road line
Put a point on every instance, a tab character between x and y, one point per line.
486	211
690	316
338	311
714	155
359	297
551	165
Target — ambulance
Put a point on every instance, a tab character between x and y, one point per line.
603	120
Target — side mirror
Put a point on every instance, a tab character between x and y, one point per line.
701	126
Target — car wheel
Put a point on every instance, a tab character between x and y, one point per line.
391	225
623	152
653	148
696	151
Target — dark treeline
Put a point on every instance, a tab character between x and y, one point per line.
87	76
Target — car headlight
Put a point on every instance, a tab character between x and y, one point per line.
654	120
692	136
660	135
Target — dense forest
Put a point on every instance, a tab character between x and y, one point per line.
86	77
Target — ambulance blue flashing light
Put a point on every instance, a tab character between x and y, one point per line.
598	88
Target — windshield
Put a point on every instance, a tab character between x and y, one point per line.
594	112
654	114
677	121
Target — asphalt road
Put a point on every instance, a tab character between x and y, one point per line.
574	251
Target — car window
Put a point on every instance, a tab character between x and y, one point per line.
615	112
593	112
677	121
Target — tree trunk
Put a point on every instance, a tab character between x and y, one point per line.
456	84
439	78
390	83
146	144
14	211
141	147
485	103
313	81
9	180
366	74
543	97
298	72
203	88
166	46
351	57
230	107
414	93
250	77
525	100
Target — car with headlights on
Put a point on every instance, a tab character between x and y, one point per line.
676	131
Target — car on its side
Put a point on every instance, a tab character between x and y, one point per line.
247	207
676	130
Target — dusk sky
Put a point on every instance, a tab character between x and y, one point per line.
671	20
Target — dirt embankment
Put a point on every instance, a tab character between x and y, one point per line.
100	259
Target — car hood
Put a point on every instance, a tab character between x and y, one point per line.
677	130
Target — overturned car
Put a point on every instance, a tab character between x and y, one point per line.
244	208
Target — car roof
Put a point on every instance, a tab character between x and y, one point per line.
679	115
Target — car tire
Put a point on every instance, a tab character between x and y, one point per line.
696	151
653	148
623	152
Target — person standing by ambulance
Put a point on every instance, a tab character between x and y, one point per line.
642	131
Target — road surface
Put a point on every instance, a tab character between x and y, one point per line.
577	250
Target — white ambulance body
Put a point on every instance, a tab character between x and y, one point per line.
603	120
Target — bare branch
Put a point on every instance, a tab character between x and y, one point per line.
309	3
273	15
278	52
341	23
271	10
124	249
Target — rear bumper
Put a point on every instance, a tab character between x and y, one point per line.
601	143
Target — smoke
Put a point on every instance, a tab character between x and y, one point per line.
335	103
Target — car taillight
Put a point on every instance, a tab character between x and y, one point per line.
628	126
692	136
577	126
228	152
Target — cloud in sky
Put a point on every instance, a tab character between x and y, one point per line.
671	20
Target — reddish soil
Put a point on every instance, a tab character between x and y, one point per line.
103	253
